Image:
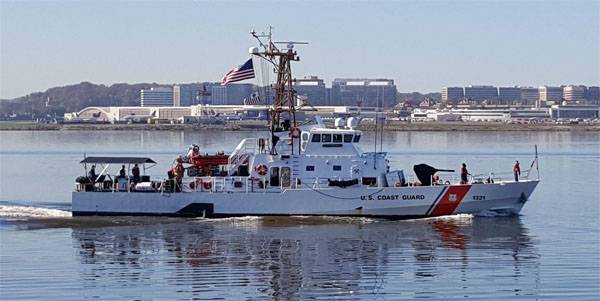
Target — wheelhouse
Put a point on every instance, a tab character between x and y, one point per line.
325	141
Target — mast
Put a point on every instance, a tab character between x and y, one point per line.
283	110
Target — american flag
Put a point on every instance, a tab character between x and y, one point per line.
245	71
254	99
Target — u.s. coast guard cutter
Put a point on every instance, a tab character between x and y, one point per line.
298	169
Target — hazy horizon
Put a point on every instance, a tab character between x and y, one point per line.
423	46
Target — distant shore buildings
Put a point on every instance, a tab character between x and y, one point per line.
378	92
540	97
365	92
213	102
313	88
343	92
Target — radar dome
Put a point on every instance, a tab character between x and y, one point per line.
339	122
253	50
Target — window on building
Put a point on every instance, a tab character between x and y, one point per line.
326	138
337	167
310	168
356	138
316	138
337	137
347	138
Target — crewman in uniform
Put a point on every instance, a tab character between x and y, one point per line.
179	170
464	173
135	171
92	174
195	156
517	170
122	172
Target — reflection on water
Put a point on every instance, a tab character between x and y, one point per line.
307	257
551	251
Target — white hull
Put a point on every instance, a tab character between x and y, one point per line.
390	202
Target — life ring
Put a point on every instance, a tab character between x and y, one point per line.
447	182
261	169
295	133
207	185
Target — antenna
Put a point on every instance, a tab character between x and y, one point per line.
376	129
382	118
290	44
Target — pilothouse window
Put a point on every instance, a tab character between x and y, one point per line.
337	137
326	138
356	138
347	138
316	138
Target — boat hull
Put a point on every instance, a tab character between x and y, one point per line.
387	202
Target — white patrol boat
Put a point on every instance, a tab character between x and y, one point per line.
307	169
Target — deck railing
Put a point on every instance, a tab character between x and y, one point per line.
261	184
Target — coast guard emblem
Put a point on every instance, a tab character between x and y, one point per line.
452	197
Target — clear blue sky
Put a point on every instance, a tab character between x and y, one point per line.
423	45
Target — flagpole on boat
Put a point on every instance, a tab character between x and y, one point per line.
537	165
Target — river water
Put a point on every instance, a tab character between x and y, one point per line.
550	251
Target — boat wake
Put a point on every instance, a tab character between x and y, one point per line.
463	217
492	213
241	219
288	220
350	219
10	211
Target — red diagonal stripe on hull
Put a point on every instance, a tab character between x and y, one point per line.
447	206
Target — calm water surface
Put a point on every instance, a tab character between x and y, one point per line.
549	252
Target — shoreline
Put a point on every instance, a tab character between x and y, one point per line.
254	126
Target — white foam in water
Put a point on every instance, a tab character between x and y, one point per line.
24	211
490	213
350	219
456	217
230	219
252	220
